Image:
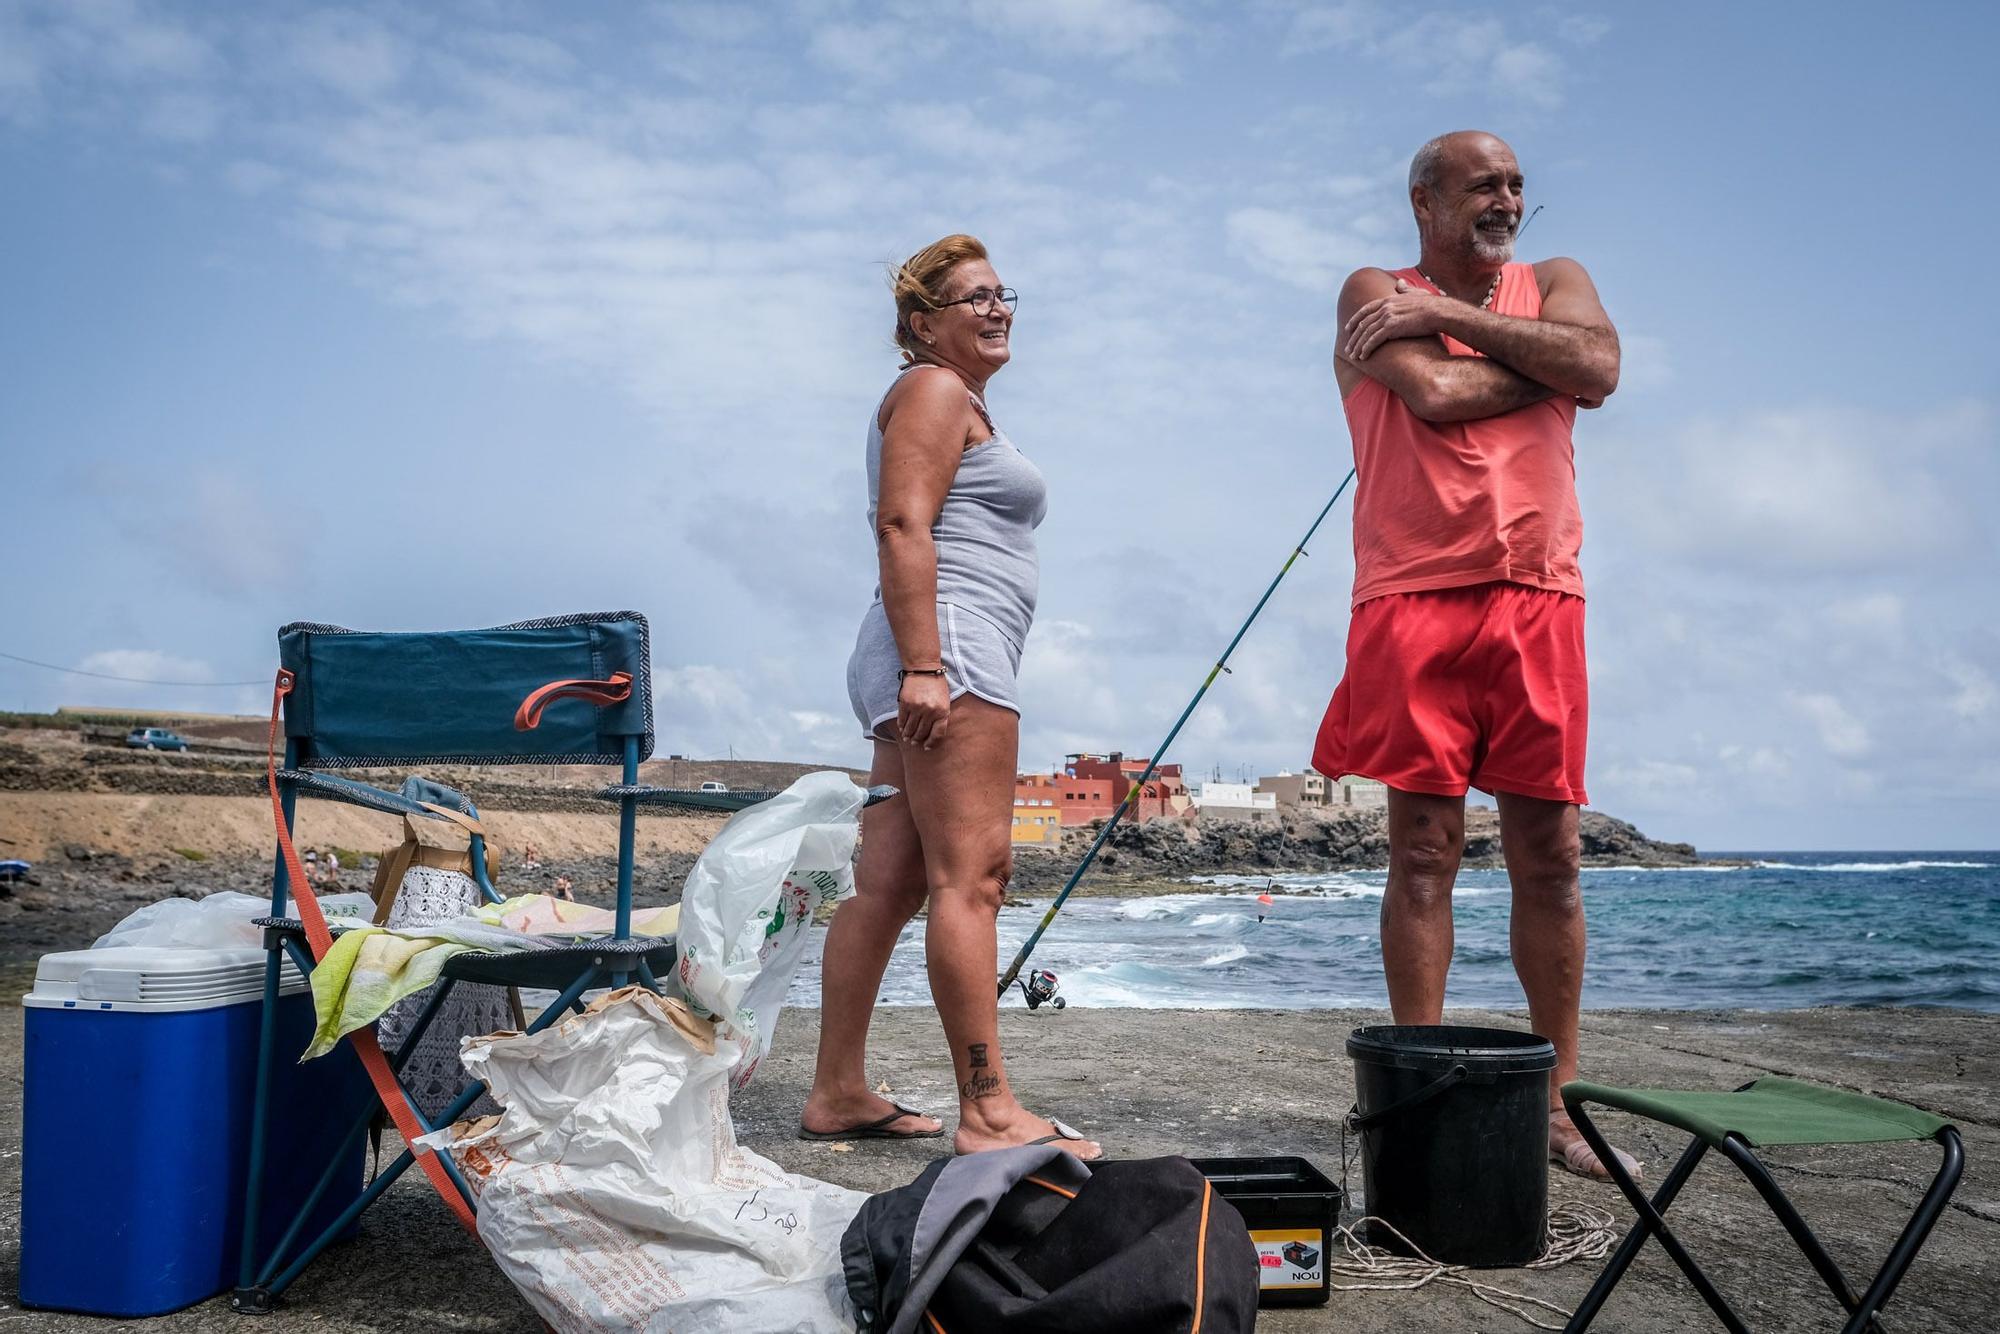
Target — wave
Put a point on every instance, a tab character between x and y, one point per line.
1875	866
1229	955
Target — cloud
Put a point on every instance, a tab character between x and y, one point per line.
148	666
1839	731
351	53
1287	245
1452	52
1814	489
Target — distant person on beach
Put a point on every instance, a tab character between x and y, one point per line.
953	506
1461	379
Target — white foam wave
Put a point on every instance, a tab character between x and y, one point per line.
1211	918
1230	955
1875	866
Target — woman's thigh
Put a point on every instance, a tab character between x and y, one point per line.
961	793
892	857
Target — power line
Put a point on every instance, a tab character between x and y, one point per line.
129	680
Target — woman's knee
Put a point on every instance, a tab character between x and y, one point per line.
979	881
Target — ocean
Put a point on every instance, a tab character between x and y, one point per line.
1786	931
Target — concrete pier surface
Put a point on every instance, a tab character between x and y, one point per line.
1196	1082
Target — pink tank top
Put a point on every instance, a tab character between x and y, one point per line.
1447	504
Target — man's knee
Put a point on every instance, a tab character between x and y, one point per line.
1548	860
1424	863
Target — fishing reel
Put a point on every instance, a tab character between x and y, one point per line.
1040	987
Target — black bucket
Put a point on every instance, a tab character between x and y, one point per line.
1454	1126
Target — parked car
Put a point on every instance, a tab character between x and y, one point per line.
154	738
712	786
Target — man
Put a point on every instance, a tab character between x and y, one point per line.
1460	379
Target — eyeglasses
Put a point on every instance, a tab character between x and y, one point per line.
981	300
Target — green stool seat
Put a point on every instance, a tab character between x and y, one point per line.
1773	1111
1770	1111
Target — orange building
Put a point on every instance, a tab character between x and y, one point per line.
1088	789
1164	796
1037	810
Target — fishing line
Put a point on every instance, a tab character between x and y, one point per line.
132	680
1132	795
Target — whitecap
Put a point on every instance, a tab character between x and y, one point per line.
1229	955
1854	867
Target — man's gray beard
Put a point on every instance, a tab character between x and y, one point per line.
1489	253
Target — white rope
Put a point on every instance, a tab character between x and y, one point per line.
1576	1232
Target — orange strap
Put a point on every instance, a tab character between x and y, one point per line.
394	1099
615	691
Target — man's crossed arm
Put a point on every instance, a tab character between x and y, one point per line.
1386	335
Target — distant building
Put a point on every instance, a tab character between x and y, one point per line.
1295	790
1089	788
1037	811
1235	801
1354	790
1101	782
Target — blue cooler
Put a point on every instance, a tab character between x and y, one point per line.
139	1076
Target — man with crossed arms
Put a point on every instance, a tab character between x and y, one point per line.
1461	379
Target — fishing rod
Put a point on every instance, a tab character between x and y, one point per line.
1132	795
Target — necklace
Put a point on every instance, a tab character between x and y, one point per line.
1483	305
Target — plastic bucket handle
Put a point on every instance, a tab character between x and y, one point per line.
1455	1075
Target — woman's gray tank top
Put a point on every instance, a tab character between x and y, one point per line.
985	532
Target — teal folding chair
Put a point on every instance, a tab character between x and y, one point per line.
1764	1113
564	690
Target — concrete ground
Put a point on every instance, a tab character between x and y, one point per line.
1257	1082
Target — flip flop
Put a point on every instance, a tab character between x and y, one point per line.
1579	1159
1063	1131
878	1129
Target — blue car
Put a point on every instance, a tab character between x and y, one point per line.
154	738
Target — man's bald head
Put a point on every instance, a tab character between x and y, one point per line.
1427	167
1465	189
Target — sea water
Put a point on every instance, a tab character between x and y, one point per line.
1782	931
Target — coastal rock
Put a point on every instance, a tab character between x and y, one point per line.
1304	841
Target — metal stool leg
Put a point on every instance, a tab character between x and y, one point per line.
1651	1219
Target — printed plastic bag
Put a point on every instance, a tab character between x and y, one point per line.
222	920
750	901
613	1193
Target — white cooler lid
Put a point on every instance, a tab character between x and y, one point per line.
153	979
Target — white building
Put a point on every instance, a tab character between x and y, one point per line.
1357	791
1235	801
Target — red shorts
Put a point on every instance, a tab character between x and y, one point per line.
1482	687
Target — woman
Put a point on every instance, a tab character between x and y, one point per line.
954	507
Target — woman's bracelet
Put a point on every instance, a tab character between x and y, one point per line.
904	672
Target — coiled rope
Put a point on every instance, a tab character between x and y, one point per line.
1576	1232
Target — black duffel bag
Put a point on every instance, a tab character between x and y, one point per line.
1032	1239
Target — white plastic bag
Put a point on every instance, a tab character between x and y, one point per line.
222	920
750	901
613	1193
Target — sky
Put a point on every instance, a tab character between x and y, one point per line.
445	316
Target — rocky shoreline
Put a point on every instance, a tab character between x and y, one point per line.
138	827
1303	842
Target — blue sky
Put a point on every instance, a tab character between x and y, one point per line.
464	314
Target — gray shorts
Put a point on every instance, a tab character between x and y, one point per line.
978	659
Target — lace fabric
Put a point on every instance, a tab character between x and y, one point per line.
433	1073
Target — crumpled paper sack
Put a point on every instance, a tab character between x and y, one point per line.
611	1188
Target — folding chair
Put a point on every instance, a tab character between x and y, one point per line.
565	690
1765	1113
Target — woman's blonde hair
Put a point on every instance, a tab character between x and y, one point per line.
918	282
